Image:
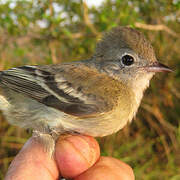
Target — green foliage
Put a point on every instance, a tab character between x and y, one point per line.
44	32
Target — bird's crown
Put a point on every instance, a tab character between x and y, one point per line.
127	38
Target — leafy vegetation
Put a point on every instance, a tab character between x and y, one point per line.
45	32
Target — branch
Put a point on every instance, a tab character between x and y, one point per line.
87	20
159	27
52	45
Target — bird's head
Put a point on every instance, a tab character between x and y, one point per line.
125	54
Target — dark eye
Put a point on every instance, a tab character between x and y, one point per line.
127	60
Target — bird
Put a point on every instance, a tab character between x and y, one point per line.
95	97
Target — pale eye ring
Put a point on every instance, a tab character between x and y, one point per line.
127	60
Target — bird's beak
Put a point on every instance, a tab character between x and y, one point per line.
158	67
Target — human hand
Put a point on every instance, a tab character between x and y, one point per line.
76	157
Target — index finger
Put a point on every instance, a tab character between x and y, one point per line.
76	154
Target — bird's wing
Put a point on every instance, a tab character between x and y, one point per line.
50	87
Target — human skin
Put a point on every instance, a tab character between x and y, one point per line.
76	157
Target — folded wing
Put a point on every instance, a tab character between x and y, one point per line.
42	86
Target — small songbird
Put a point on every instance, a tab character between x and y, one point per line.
95	97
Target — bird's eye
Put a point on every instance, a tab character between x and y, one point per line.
127	60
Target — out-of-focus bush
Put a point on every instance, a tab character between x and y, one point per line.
44	32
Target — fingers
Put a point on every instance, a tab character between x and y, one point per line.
75	154
76	157
32	162
108	168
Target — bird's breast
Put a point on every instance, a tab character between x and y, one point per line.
104	123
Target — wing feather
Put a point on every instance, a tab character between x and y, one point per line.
42	86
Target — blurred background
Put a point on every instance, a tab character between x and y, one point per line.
57	31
